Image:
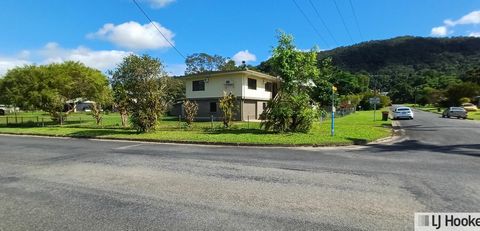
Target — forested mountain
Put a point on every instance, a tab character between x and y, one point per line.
408	55
410	69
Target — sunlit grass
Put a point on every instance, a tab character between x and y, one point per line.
355	128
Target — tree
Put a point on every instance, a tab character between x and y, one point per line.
191	109
290	110
457	91
227	105
431	96
102	98
365	104
145	84
202	62
472	75
120	99
53	88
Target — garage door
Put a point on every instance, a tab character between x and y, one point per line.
249	110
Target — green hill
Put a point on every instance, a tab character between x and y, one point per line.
408	54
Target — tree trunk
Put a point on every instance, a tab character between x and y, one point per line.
97	113
124	116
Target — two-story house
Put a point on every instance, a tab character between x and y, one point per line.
251	88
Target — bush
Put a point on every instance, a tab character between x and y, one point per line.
227	105
384	101
464	100
191	109
289	113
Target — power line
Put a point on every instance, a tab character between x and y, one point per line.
356	19
343	21
323	22
145	14
310	22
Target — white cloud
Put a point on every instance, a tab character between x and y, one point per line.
101	59
7	63
439	31
135	36
474	34
54	53
243	56
471	18
159	3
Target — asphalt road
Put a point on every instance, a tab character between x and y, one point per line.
79	184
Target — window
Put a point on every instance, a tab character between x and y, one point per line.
213	106
198	85
252	84
268	86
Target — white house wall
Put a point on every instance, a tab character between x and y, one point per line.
259	93
215	86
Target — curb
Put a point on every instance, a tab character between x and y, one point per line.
381	140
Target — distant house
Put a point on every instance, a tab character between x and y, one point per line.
252	89
80	105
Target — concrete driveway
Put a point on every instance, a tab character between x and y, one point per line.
78	184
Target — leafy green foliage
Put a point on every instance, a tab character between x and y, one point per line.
50	87
458	91
365	104
142	82
345	82
202	62
228	106
295	68
445	55
289	113
290	110
413	68
120	98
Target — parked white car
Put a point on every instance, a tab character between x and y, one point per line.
402	113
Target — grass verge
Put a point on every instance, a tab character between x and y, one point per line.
358	128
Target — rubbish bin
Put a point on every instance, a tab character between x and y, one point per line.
384	115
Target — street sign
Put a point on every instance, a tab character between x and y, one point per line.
374	100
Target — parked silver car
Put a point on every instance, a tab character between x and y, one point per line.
455	112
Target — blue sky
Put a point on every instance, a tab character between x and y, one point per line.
101	33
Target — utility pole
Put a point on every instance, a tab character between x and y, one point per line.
332	132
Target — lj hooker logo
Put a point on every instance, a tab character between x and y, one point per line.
447	221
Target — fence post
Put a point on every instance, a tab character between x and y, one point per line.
248	121
179	121
7	120
43	124
211	119
21	120
38	124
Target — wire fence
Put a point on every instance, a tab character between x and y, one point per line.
42	121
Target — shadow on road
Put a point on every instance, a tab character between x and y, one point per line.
415	145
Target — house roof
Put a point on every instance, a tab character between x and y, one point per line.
224	73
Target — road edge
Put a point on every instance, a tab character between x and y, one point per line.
381	140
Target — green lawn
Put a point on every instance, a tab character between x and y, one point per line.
353	129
